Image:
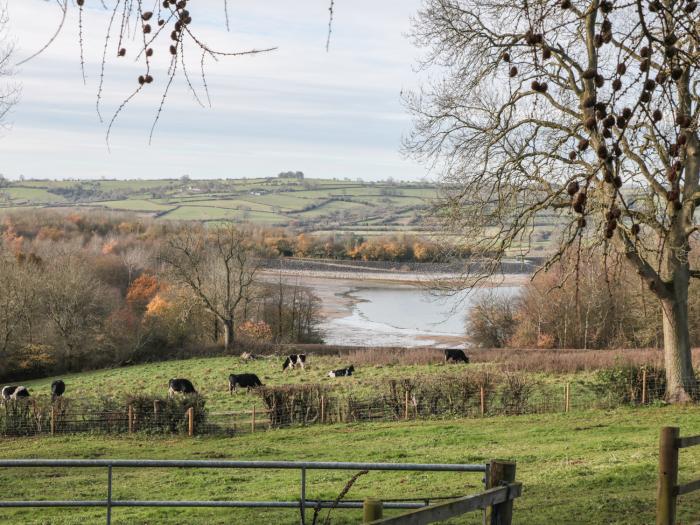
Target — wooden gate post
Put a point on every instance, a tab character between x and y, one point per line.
482	396
405	412
668	476
372	510
156	410
644	385
567	405
323	409
252	420
53	419
190	421
130	415
500	473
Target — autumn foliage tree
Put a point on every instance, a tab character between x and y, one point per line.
585	109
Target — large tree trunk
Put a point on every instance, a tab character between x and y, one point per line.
681	385
228	333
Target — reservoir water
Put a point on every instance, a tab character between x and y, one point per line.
405	316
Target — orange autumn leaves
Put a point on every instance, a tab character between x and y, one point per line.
147	293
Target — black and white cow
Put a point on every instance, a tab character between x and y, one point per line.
455	355
294	360
179	385
342	372
7	392
244	381
20	392
14	392
58	387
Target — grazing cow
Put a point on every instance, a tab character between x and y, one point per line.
20	392
7	392
455	355
342	372
183	386
294	360
244	381
58	387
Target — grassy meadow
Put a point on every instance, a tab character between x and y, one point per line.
589	467
210	377
374	368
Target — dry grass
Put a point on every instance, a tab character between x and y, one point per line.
395	356
558	361
569	361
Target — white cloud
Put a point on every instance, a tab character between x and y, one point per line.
328	114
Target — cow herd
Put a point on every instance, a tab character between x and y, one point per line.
246	380
292	361
15	392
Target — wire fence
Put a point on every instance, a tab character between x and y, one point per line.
300	405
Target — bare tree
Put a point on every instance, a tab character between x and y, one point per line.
134	259
12	303
75	304
8	91
584	109
219	267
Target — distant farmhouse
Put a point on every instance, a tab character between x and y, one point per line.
299	175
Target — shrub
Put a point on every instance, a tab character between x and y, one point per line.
446	394
19	418
294	404
515	393
171	414
624	383
491	322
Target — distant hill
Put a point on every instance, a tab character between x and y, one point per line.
285	200
317	206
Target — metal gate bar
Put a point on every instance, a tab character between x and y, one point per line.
109	503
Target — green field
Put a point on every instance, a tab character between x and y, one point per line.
309	205
210	378
587	467
336	204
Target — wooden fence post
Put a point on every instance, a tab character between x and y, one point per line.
482	396
372	510
130	415
567	395
53	420
323	409
405	412
190	421
500	473
668	476
252	420
156	410
644	385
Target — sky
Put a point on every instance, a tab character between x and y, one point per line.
329	114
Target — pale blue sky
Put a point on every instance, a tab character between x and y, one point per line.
335	114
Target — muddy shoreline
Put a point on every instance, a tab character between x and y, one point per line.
337	290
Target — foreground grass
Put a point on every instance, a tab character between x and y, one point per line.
586	467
